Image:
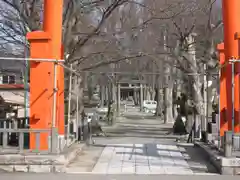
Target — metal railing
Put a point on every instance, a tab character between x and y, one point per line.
72	126
15	136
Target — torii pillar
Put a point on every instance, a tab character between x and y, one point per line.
46	44
224	114
231	20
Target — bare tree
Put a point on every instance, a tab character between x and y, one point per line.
20	17
126	34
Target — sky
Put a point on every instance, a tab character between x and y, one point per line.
219	2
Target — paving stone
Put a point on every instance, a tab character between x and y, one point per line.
157	170
154	159
101	170
172	148
164	153
167	161
162	147
182	149
138	145
204	174
115	165
114	170
128	169
176	154
155	163
128	164
186	156
104	160
100	167
142	170
177	170
180	162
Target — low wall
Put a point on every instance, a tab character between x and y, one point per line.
39	163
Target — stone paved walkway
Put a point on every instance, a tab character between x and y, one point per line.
142	145
143	159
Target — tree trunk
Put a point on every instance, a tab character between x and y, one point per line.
205	100
175	99
168	104
107	93
85	80
158	97
78	89
114	93
196	85
102	98
135	96
149	94
153	93
168	86
177	88
145	92
89	87
199	104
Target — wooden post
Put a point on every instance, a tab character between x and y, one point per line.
102	92
205	119
77	120
69	104
118	98
107	93
141	97
114	92
228	143
60	100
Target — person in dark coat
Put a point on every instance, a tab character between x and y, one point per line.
179	125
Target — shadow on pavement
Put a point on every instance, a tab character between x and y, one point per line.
197	160
140	132
135	117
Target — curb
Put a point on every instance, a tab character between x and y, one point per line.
40	163
214	160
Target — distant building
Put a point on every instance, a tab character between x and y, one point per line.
12	91
11	77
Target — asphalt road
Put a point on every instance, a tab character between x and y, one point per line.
22	176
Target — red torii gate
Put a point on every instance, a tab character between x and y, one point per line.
229	50
46	44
